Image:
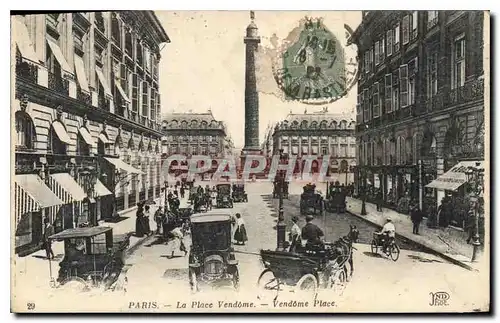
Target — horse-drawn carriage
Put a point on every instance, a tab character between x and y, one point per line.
335	197
93	257
311	199
224	199
328	267
239	194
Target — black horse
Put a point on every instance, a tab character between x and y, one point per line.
345	245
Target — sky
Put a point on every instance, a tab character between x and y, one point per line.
204	65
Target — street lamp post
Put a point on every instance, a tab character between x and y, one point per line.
475	177
363	189
281	226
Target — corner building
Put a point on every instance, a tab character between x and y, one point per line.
86	107
420	108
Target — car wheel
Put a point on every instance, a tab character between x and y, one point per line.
236	279
193	281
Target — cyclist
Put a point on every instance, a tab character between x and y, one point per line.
388	233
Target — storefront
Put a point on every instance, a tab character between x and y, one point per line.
452	183
32	198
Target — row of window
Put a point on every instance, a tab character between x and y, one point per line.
175	139
341	151
124	83
390	44
316	138
122	34
314	124
400	152
194	150
398	89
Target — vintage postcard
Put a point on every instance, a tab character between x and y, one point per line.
250	161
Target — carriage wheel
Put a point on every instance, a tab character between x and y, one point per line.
394	252
236	279
193	281
374	246
267	284
339	281
307	283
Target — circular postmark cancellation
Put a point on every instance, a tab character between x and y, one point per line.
316	67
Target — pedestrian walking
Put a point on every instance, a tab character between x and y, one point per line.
295	234
46	242
178	242
139	222
240	235
416	218
182	191
158	219
147	214
379	200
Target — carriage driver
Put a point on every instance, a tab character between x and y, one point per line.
387	233
312	234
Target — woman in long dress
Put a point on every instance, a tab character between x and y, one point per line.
240	235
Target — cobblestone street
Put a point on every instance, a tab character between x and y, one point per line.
155	277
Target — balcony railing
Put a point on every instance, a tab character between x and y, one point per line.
103	103
471	91
57	83
83	96
26	70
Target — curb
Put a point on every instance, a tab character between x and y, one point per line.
131	249
421	245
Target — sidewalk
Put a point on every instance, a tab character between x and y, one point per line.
447	243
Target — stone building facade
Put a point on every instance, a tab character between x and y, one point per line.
194	134
319	134
86	110
420	104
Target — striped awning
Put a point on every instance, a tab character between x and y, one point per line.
61	132
120	164
21	36
100	189
104	139
66	188
86	136
455	177
31	194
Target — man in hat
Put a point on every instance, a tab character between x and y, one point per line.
416	218
312	234
388	232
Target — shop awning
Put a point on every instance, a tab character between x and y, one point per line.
61	132
80	73
455	177
122	92
104	139
86	136
103	81
59	56
100	189
21	36
66	188
120	164
36	194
